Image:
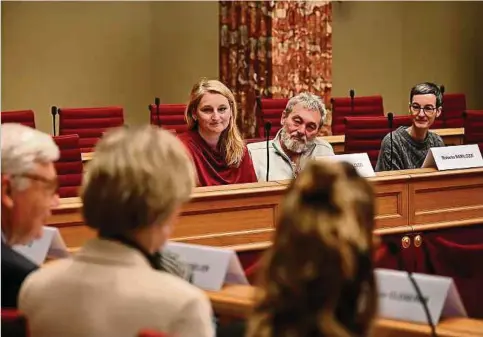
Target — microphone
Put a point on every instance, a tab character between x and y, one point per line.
268	127
394	250
157	102
390	118
54	112
351	94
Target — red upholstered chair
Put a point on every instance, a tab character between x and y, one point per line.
89	123
473	124
171	117
270	110
25	117
363	107
69	166
151	333
452	115
365	134
14	324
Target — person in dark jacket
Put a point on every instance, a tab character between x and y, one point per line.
29	192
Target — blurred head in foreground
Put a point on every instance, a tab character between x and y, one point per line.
136	184
317	279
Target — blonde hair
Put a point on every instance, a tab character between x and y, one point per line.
318	276
137	177
232	145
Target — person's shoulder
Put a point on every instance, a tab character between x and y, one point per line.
166	285
321	143
15	262
259	146
435	137
49	272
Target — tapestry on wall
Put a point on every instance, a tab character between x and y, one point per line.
275	48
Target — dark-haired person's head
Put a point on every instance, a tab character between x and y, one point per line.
425	104
136	184
317	278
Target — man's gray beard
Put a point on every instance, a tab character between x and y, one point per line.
294	145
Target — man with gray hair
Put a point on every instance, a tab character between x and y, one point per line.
296	141
410	145
29	192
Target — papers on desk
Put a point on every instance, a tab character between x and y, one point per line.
454	157
398	298
212	266
50	244
360	161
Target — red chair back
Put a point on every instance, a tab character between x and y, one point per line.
271	111
363	107
453	107
89	123
151	333
171	117
69	166
473	124
365	134
14	323
25	117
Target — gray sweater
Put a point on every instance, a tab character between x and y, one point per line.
407	152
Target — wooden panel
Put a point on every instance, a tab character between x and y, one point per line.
446	197
391	203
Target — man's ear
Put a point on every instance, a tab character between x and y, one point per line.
284	117
7	200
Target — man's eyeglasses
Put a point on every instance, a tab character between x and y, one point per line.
52	184
428	110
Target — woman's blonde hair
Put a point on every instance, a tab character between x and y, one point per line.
137	178
231	141
317	279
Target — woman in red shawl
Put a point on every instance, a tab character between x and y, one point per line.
213	139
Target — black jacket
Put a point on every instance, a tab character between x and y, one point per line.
15	268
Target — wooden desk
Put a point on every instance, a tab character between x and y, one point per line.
239	215
450	137
237	301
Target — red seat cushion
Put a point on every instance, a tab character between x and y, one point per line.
365	134
25	117
69	166
366	106
89	123
473	124
171	117
453	107
271	110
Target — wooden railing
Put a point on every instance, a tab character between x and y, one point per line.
240	215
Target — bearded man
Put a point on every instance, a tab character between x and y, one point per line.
295	143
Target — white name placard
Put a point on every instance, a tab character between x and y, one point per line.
212	266
50	244
360	161
454	157
398	298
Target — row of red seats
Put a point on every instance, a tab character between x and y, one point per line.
270	110
14	323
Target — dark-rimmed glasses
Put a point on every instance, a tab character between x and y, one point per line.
428	110
52	184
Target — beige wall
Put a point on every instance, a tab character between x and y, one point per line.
75	54
387	47
125	53
81	54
